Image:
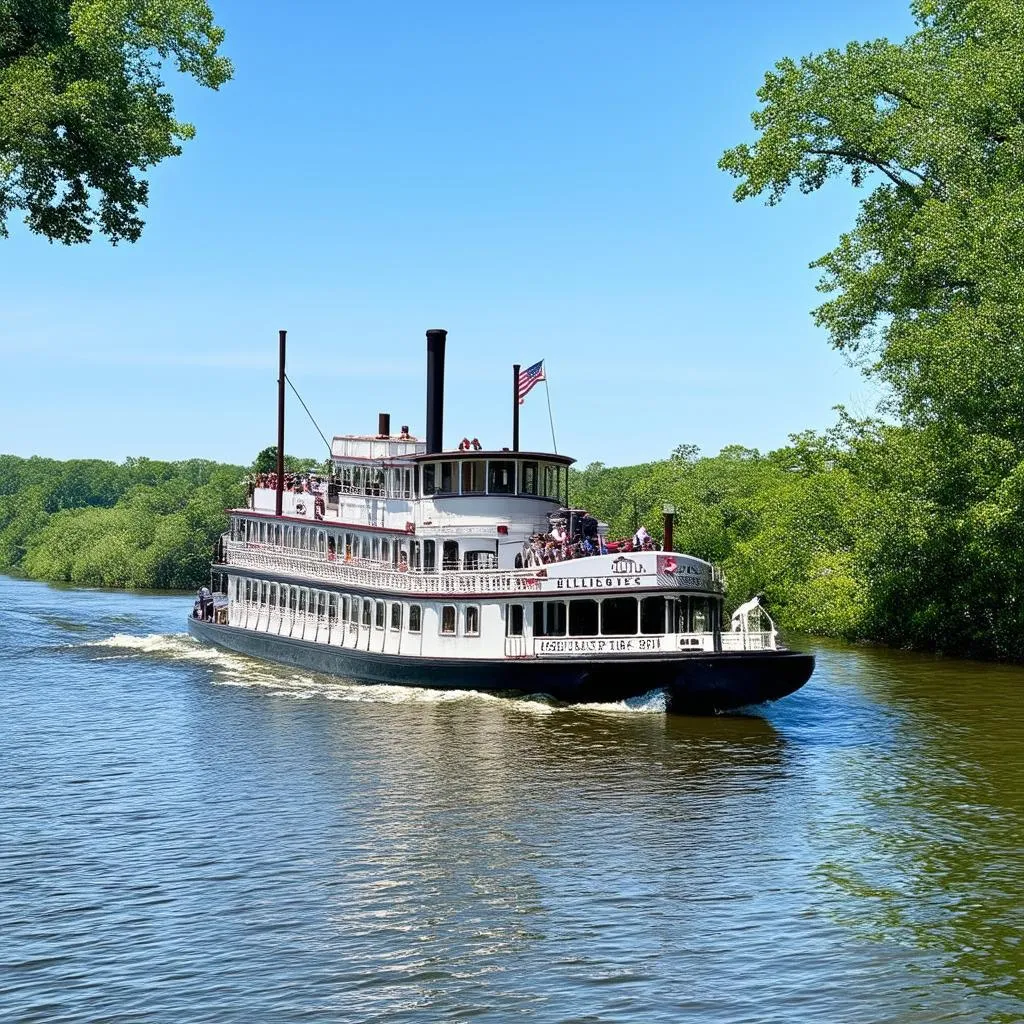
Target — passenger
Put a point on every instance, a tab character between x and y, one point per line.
639	537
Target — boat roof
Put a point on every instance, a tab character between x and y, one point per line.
502	453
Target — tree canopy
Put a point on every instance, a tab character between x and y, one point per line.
84	111
925	291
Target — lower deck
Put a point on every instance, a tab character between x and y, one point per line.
410	627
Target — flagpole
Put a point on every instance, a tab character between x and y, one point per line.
515	407
551	419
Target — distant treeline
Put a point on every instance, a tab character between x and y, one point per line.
869	531
140	524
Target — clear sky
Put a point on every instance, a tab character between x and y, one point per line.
539	178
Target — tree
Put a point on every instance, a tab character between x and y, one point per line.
84	111
927	285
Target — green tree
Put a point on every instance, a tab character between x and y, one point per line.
84	111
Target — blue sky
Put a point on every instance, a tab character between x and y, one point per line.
538	178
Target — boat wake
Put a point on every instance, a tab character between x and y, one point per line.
229	669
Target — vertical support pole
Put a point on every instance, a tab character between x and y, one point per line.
669	513
280	424
515	407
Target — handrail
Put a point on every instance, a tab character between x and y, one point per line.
416	581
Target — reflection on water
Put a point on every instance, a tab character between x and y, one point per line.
189	834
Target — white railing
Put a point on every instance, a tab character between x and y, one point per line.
745	641
361	574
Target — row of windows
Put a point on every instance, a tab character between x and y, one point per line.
625	616
357	611
494	476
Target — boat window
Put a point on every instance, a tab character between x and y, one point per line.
549	618
263	532
376	549
332	608
427	476
699	617
302	602
583	618
273	595
293	598
448	619
385	550
277	535
528	478
321	542
415	618
446	478
378	620
474	560
367	611
248	590
450	555
652	615
514	620
414	554
618	616
366	547
473	477
429	556
263	593
473	620
396	615
403	559
351	609
501	477
321	604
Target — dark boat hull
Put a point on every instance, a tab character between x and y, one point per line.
693	683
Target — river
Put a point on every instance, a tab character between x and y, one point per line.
187	835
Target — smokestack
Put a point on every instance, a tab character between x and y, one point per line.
435	389
383	424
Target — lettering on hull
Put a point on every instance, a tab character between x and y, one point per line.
598	645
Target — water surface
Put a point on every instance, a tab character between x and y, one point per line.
188	835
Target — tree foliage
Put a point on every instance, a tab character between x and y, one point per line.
140	524
925	292
84	111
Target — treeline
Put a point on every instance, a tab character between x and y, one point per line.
139	524
908	536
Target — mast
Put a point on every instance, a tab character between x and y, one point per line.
280	424
515	407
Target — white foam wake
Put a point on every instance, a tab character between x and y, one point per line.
230	669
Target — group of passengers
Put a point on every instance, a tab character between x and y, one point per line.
581	541
296	483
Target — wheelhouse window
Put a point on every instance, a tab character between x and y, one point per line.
583	618
429	556
448	620
427	475
550	481
447	479
549	618
652	615
472	620
618	616
415	618
473	476
700	618
378	620
501	477
529	478
396	615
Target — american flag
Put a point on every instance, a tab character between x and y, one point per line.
529	377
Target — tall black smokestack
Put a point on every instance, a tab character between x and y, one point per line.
435	389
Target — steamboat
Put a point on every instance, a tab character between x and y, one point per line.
417	565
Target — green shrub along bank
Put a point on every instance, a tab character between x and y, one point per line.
140	524
897	534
